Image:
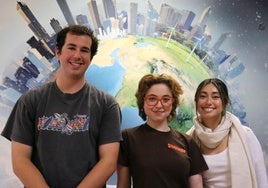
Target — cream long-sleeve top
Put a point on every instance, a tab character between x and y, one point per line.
257	158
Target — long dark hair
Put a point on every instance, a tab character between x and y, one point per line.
221	87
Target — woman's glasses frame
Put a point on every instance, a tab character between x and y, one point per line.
152	100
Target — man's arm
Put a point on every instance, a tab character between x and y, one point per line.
23	167
105	167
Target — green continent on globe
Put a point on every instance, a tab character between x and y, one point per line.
143	55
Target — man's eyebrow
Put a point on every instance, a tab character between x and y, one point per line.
70	44
73	45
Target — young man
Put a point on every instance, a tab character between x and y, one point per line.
66	133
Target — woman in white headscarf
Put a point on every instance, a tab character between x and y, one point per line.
232	151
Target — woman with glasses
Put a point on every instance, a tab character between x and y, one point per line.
153	154
231	150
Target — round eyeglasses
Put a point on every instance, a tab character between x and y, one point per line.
152	100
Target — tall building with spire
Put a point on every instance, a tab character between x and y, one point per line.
151	11
32	22
66	12
204	16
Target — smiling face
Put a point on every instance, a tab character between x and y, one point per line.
75	56
159	112
209	104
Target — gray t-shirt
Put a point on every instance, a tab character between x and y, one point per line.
64	130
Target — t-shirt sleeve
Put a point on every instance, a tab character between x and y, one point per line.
198	163
110	130
123	152
20	125
7	131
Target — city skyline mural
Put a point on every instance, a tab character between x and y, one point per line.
190	40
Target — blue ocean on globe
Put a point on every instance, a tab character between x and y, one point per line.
111	81
107	78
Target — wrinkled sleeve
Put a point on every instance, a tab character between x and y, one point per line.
257	158
198	163
123	153
110	122
20	125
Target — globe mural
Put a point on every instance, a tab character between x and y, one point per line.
121	62
161	37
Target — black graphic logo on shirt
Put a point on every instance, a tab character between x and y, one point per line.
61	123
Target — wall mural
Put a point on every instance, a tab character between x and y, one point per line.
190	40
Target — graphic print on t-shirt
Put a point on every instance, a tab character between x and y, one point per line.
62	123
